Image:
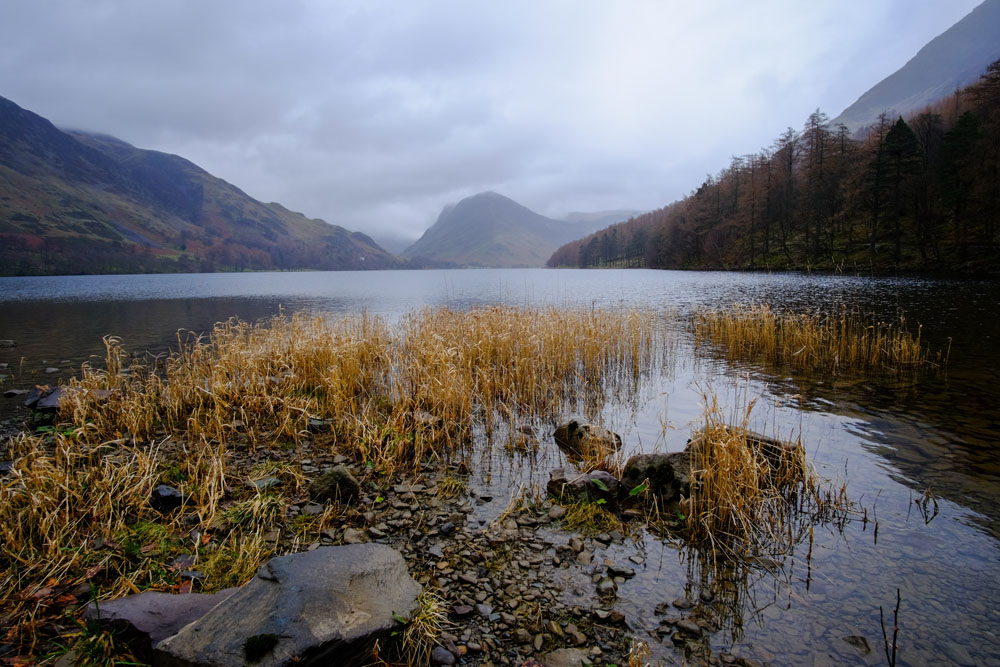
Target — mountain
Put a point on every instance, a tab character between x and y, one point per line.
587	223
73	202
490	230
952	60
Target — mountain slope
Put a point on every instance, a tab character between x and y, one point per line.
953	59
490	230
72	202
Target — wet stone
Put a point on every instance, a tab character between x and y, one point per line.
682	603
442	656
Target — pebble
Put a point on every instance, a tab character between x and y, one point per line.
442	656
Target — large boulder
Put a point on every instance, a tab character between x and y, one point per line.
335	484
669	475
568	485
580	439
145	619
323	607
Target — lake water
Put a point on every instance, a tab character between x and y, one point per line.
890	442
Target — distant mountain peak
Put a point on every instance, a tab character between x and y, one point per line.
489	229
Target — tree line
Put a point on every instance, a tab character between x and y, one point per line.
920	193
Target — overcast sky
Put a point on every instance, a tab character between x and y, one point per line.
373	115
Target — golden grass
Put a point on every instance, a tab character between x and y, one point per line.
391	396
836	342
747	491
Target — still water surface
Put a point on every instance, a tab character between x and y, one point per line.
890	442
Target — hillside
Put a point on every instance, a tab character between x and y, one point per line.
952	60
72	202
914	194
490	230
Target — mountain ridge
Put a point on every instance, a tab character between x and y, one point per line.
79	202
952	60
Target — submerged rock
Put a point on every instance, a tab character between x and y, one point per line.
336	484
580	439
322	607
44	398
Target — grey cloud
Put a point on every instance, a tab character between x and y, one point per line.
374	115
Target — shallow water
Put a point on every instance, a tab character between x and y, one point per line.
890	441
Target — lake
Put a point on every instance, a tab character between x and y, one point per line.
892	443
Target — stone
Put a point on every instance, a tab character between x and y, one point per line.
669	475
688	626
335	484
14	393
567	657
354	536
330	605
858	642
51	369
6	468
593	486
44	398
607	586
522	636
264	483
442	656
6	342
147	618
556	512
621	571
579	439
165	498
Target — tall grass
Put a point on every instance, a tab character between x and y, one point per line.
751	495
842	341
392	396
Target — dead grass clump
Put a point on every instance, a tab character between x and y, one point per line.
835	342
424	629
749	492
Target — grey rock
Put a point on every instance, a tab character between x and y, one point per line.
621	571
165	498
580	439
319	607
336	484
263	484
557	512
567	657
51	369
568	485
147	618
6	342
669	475
44	398
354	536
14	393
442	656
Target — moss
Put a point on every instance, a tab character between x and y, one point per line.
258	646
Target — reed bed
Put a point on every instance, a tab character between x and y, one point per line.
837	342
75	510
752	495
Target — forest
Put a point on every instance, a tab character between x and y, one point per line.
920	193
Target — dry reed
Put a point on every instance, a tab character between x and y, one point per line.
389	396
750	494
836	342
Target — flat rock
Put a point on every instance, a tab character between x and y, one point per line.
321	607
147	618
567	657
